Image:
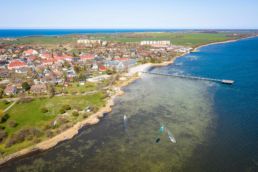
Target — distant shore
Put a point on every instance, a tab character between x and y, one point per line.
95	118
222	42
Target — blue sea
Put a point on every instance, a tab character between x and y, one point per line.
13	33
215	125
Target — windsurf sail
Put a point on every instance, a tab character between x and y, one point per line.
125	117
171	137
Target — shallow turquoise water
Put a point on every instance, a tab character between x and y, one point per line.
215	125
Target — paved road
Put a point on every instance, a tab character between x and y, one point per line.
9	107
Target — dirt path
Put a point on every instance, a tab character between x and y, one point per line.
9	107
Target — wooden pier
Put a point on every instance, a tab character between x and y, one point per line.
223	81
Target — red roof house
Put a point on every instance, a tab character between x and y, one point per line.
102	68
121	59
45	55
62	58
87	57
10	90
31	58
48	61
30	52
16	64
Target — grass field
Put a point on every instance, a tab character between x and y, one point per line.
186	39
29	114
3	105
178	38
77	88
43	40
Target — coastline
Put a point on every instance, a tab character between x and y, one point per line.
95	118
221	42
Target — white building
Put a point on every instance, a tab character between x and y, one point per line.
156	43
89	41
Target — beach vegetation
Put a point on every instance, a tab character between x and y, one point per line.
28	113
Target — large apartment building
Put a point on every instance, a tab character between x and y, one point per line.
156	43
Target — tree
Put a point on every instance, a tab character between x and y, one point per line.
12	124
75	113
4	118
81	77
52	91
3	135
1	113
44	110
25	86
1	92
76	69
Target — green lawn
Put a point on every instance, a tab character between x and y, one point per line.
3	105
187	38
46	40
178	38
77	88
29	114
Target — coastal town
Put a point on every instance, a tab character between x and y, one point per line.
51	87
129	86
32	70
47	90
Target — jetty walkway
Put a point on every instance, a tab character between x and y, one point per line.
223	81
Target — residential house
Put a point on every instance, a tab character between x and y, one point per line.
87	57
10	90
102	68
16	64
38	89
45	56
94	66
47	62
30	52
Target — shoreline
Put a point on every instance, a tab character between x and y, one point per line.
95	118
196	49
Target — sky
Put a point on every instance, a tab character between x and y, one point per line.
152	14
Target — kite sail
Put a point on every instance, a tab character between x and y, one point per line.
163	129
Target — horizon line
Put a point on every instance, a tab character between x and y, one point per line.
78	28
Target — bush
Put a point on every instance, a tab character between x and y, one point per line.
4	118
66	107
47	126
25	86
22	135
35	132
63	120
25	100
6	102
49	133
64	127
75	113
3	135
37	140
44	110
85	115
62	110
12	124
94	109
16	138
78	108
